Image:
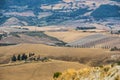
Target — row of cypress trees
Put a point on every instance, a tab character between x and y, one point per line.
19	57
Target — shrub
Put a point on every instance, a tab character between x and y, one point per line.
106	69
118	62
57	74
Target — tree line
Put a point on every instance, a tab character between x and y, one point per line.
85	28
19	57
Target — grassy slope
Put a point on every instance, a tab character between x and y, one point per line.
36	71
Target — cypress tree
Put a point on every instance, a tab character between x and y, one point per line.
19	57
23	57
13	58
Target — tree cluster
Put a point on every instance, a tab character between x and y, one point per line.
29	57
85	28
115	49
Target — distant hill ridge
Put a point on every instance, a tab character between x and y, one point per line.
52	12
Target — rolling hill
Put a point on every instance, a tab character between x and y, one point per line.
82	55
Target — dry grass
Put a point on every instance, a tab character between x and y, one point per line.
95	73
36	71
69	36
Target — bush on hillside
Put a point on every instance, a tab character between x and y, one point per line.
115	49
57	74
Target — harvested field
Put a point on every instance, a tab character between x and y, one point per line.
83	55
36	71
69	36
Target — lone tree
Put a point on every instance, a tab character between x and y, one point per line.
19	57
13	58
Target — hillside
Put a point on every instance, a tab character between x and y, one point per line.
102	11
36	70
30	37
95	73
88	39
99	73
82	55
